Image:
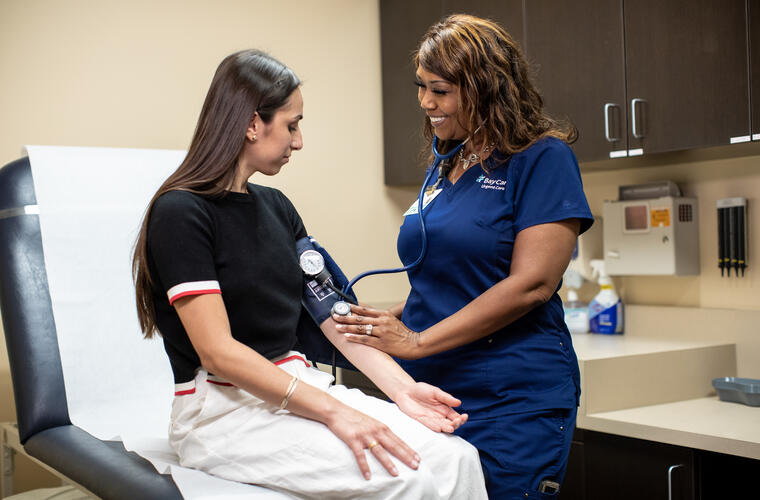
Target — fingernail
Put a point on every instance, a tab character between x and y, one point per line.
366	476
394	471
415	463
417	458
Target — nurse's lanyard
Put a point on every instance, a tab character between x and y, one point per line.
436	164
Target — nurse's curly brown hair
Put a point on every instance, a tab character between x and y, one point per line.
494	83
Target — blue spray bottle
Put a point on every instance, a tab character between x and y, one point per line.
605	312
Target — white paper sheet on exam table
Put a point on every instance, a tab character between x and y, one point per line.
118	385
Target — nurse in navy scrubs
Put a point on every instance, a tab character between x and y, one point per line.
483	320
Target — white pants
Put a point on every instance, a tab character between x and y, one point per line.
227	432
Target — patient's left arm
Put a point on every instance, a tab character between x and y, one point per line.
425	403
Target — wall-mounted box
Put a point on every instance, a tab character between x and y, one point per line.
651	237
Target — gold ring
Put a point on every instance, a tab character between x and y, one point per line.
372	444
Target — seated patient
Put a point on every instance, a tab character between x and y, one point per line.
217	276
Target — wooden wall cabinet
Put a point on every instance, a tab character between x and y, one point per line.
577	52
643	76
402	26
687	62
634	76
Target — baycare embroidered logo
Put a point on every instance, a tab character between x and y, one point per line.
486	183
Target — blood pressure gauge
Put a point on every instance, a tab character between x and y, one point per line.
341	308
312	262
313	265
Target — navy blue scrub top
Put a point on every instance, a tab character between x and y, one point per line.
530	364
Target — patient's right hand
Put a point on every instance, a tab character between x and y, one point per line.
361	432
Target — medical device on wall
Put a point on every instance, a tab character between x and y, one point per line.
651	236
733	251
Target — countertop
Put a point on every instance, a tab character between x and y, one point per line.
704	423
589	346
660	389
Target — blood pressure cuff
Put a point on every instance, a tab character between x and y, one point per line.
317	301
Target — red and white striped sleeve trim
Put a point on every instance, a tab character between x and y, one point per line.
184	388
291	358
192	288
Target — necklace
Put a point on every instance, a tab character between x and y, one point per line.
473	158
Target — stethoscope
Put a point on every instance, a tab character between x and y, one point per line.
343	308
312	262
439	158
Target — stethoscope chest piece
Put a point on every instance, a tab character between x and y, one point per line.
341	308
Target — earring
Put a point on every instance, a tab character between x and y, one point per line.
252	138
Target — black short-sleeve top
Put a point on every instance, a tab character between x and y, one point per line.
241	245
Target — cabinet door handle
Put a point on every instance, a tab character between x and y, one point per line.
607	108
670	479
634	129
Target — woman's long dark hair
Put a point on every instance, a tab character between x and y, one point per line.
495	89
245	83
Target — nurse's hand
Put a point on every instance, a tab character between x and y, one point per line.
430	406
379	329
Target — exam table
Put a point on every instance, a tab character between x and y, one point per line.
104	468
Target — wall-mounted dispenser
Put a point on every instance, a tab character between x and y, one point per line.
733	252
651	236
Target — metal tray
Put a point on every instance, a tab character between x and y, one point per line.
738	390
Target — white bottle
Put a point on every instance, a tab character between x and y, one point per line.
605	313
576	313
